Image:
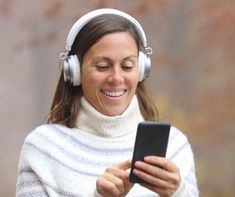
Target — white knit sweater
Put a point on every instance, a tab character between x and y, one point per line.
58	161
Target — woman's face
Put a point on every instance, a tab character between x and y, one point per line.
110	73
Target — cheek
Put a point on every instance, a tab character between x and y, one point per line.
89	76
134	80
91	82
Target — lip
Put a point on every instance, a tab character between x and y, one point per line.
113	94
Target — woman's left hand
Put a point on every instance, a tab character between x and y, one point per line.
160	175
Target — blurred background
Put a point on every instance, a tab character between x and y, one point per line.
192	78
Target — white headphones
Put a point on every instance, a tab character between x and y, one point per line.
71	64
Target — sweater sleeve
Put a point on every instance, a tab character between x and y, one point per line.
28	182
180	153
38	174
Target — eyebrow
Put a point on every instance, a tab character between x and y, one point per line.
108	59
132	56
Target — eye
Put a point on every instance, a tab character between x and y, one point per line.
128	66
102	67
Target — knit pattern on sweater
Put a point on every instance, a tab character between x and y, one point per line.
58	161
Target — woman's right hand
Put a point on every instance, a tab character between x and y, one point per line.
115	181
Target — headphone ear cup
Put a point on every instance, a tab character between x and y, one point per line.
144	65
66	70
72	70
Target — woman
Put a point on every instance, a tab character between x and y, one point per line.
85	149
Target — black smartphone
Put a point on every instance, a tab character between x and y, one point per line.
151	139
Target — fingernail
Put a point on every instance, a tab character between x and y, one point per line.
135	171
147	157
137	163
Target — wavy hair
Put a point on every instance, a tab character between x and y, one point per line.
67	98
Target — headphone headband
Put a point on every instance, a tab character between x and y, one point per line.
93	14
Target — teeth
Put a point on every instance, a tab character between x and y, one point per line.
114	94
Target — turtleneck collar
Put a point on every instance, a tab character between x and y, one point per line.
92	121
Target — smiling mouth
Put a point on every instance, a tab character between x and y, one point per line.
113	94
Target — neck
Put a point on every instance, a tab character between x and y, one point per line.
92	121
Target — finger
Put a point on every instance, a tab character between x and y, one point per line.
159	176
117	172
124	165
117	182
119	177
150	179
162	163
153	170
106	188
173	175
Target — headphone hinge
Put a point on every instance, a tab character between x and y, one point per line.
148	50
64	55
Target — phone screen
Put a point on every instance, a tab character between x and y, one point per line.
151	139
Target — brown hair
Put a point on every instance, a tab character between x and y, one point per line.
66	101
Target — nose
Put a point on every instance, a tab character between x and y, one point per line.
116	75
